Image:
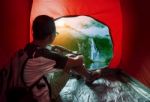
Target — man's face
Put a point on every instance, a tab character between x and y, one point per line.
51	38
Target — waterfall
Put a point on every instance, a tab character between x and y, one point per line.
93	49
95	55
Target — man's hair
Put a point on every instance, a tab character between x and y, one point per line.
42	27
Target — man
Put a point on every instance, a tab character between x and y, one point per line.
43	61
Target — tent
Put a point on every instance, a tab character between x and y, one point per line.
128	21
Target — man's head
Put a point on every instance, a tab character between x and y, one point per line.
44	28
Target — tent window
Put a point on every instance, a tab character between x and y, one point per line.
87	36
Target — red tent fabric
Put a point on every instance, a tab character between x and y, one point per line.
14	27
102	10
128	21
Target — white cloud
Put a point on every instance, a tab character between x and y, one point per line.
75	25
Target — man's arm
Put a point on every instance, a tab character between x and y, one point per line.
61	49
58	58
66	63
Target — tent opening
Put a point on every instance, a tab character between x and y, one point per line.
85	36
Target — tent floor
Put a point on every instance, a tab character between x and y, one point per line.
112	87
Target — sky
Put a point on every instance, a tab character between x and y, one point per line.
82	25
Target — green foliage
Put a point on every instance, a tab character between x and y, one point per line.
85	50
93	23
97	24
104	45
